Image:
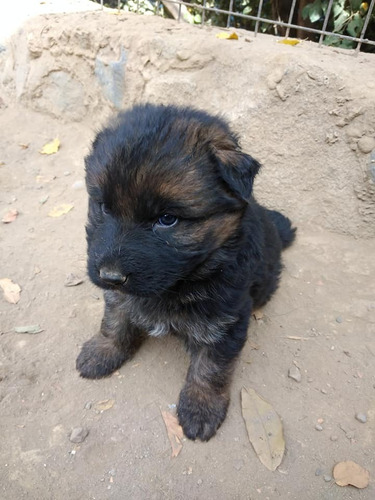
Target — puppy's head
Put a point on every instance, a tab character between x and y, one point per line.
167	188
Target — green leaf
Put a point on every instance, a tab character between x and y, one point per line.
355	25
316	11
339	22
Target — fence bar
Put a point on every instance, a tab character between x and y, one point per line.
258	18
231	12
367	20
291	13
278	23
203	13
326	19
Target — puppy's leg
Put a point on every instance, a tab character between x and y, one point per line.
116	343
204	399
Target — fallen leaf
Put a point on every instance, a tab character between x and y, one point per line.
174	430
11	290
73	280
227	36
50	148
349	472
28	329
104	405
61	210
264	428
289	41
258	314
10	216
42	179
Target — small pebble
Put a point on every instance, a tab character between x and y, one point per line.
323	391
78	435
327	478
77	185
88	405
361	417
334	438
339	319
318	427
199	481
295	373
319	472
66	173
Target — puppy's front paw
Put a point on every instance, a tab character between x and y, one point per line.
99	357
201	412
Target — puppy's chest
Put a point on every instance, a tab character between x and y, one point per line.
158	321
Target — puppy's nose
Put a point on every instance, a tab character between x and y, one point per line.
112	277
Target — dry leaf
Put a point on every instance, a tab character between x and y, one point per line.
264	428
28	329
50	148
289	41
11	290
349	472
61	210
10	216
258	314
104	405
174	430
227	36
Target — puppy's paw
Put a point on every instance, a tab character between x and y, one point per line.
201	413
99	357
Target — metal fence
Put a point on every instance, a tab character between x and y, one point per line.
178	7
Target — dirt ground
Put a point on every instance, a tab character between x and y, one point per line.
308	115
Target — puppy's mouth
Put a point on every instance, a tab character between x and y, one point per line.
112	277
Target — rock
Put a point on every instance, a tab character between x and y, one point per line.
334	438
78	435
77	185
318	427
361	417
366	144
295	373
339	319
327	478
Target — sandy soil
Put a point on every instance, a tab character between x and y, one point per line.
321	319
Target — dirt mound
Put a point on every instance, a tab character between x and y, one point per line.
299	109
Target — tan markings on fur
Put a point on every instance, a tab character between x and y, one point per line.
182	187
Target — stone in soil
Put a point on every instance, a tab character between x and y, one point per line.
295	373
361	417
78	435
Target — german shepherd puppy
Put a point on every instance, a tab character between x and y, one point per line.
179	245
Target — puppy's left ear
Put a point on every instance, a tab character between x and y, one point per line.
237	169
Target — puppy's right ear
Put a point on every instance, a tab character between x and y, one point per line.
237	169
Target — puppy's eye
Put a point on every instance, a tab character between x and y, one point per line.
167	220
104	208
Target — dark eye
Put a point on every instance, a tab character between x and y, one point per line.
105	209
167	220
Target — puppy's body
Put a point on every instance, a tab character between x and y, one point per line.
180	246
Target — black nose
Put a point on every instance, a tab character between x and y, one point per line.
112	277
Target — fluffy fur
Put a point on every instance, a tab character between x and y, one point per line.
179	245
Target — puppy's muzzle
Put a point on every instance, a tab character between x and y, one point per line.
112	277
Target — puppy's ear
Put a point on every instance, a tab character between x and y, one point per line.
237	169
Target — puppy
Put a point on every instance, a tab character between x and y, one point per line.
179	245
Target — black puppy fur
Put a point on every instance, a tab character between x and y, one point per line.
179	245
